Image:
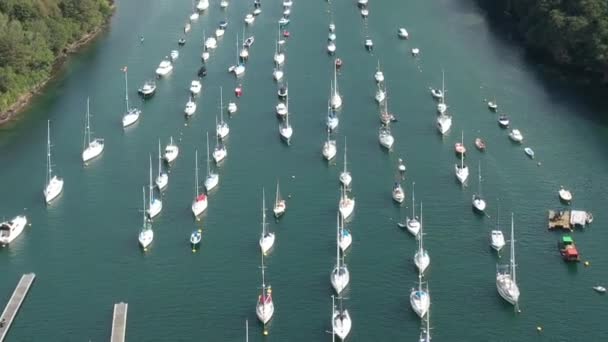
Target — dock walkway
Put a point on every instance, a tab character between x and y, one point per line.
119	322
14	303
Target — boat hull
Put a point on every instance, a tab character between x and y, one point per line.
12	229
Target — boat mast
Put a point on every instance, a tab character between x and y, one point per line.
221	105
276	198
87	129
237	49
513	277
151	187
287	114
345	154
442	99
421	234
338	243
143	190
246	331
413	202
263	284
479	178
126	91
196	173
333	309
208	165
336	93
48	151
159	159
263	213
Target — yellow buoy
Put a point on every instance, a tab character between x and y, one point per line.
193	250
587	263
145	249
200	230
539	328
265	332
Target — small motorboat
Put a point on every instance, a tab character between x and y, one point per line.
287	3
437	93
492	105
195	239
224	4
195	87
331	36
503	121
565	195
403	34
283	21
529	152
187	28
286	34
194	16
181	41
232	108
211	43
331	48
249	42
202	71
415	52
369	44
249	19
460	148
148	89
282	92
281	109
401	166
480	144
599	289
238	91
257	11
516	135
332	27
364	12
497	240
205	55
223	24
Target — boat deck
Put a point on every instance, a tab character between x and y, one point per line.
14	303
119	322
559	220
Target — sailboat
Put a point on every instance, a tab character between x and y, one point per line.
54	184
285	128
444	123
146	234
412	224
267	238
379	75
479	204
199	205
506	281
462	171
264	308
163	178
336	99
346	204
420	299
497	239
421	258
213	178
385	137
155	205
202	5
279	57
329	147
340	320
340	277
345	237
132	114
92	148
219	152
194	16
239	68
398	193
332	120
345	176
222	128
171	152
279	204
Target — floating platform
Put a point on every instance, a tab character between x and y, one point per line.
568	219
119	322
14	303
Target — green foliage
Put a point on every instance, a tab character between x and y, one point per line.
574	33
33	33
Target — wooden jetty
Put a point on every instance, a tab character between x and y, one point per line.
119	322
14	303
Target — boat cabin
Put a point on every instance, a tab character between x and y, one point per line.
567	249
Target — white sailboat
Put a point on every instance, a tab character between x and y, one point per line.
221	129
10	230
462	171
219	152
155	205
264	308
422	260
444	123
497	239
195	87
213	178
420	299
506	280
336	99
279	204
441	106
425	333
131	115
345	237
94	147
385	137
163	178
340	277
279	56
345	176
479	204
380	94
340	320
202	5
379	75
346	205
398	193
267	238
54	184
412	223
199	205
146	234
239	67
329	149
171	152
285	128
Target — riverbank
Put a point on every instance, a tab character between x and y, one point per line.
25	99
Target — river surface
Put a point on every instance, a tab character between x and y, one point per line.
84	249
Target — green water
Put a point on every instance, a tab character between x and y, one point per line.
84	248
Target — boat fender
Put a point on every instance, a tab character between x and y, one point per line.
587	263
